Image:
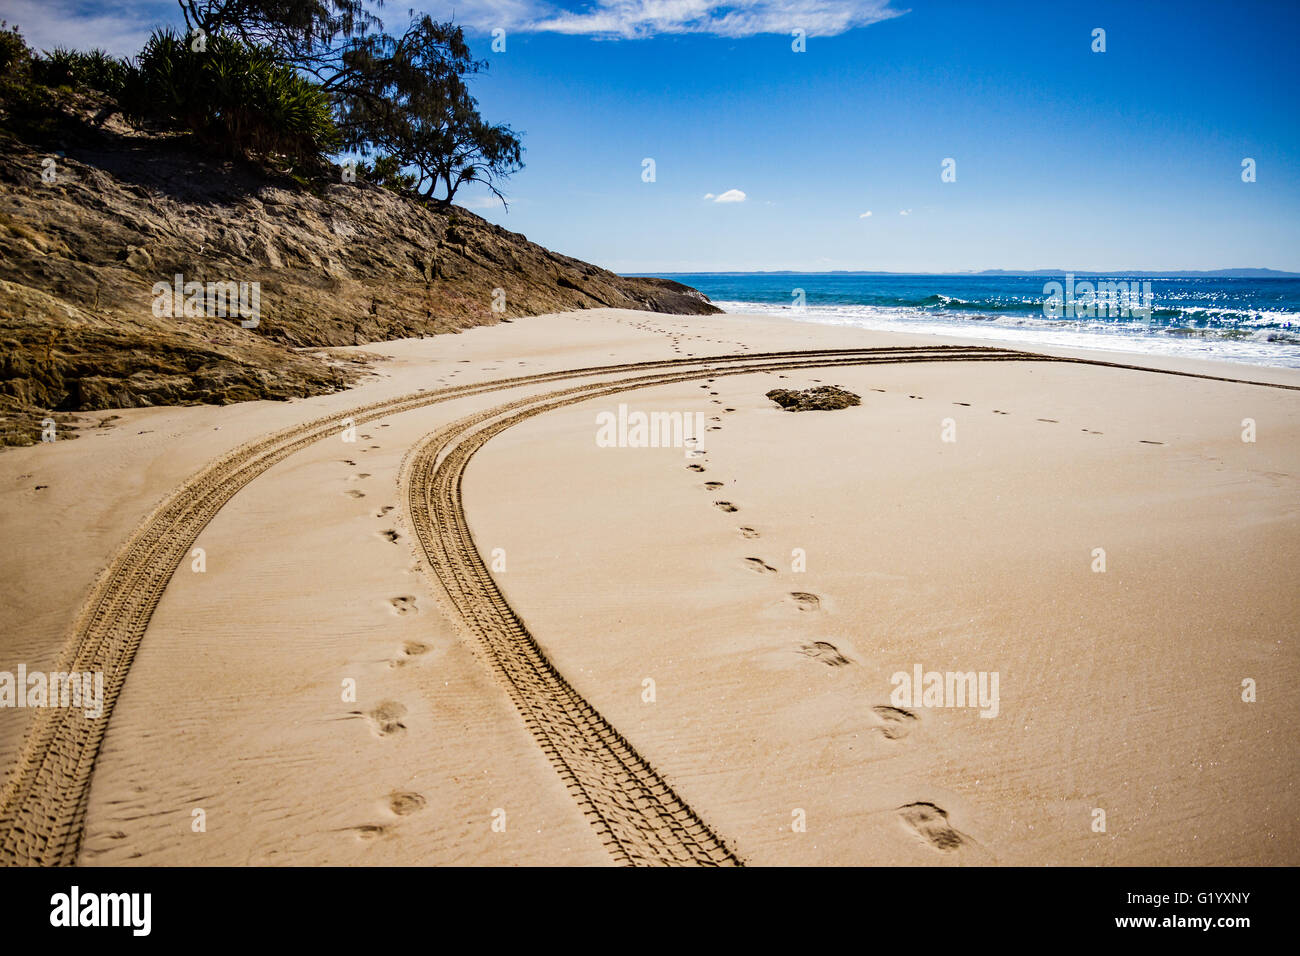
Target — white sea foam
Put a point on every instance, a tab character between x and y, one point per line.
1267	346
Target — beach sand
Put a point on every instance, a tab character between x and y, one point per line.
766	612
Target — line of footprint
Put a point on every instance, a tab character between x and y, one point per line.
998	411
926	820
675	338
387	719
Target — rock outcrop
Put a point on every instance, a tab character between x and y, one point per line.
91	222
821	398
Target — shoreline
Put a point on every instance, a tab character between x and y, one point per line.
1023	334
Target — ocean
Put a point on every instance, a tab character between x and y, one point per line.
1256	321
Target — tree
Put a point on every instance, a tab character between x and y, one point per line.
470	150
407	101
312	35
233	95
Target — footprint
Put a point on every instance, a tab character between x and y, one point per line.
964	404
403	605
391	535
1144	441
897	721
414	648
355	494
806	601
1051	420
728	409
348	461
364	474
824	652
368	831
712	485
383	511
726	506
405	803
760	566
694	467
386	719
931	824
748	532
998	411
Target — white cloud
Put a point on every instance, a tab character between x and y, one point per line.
731	195
905	212
480	202
865	215
120	28
644	18
709	196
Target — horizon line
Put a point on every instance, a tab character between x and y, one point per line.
1227	273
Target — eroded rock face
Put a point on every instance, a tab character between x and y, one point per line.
336	263
821	398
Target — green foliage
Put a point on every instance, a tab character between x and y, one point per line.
292	80
311	34
234	96
14	55
24	104
386	171
95	70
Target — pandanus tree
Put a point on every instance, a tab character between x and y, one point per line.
299	80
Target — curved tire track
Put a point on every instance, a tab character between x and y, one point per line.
43	807
637	814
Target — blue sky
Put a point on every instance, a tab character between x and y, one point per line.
1129	158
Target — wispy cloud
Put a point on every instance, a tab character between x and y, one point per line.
646	18
731	195
120	28
905	212
865	215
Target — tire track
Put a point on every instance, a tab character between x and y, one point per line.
43	806
637	814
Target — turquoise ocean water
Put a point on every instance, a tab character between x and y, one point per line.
1255	320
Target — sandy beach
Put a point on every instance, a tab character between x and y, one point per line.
1096	546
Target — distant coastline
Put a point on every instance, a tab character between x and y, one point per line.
1137	273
